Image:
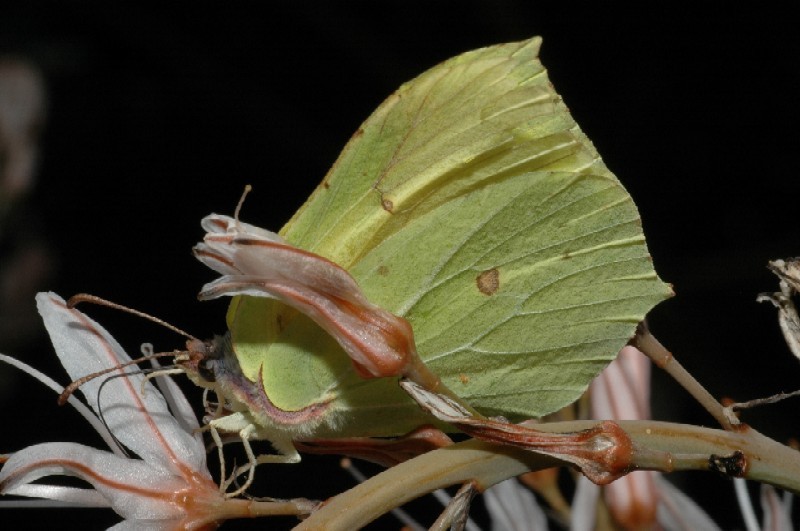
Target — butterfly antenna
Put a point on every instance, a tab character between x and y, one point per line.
247	190
94	299
71	388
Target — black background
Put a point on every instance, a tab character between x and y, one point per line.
160	115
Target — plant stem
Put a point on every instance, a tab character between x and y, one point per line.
241	508
663	358
486	463
659	446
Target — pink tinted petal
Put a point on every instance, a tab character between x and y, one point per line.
622	390
777	516
133	488
633	499
140	420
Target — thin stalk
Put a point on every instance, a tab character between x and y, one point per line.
663	358
241	508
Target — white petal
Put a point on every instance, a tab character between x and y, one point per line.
133	488
186	419
140	420
84	411
584	505
70	496
179	405
513	507
147	525
745	504
677	511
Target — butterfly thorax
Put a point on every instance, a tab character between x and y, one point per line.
213	364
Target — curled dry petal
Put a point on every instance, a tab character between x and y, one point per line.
788	271
260	263
603	453
788	318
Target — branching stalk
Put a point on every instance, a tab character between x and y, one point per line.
658	446
663	358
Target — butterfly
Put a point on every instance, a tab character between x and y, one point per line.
468	206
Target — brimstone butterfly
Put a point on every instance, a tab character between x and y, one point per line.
472	205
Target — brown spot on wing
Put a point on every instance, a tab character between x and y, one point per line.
387	205
383	270
488	281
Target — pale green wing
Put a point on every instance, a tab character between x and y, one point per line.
471	204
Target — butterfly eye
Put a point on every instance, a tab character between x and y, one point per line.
205	370
201	357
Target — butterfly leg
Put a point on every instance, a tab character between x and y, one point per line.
221	455
288	454
240	424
